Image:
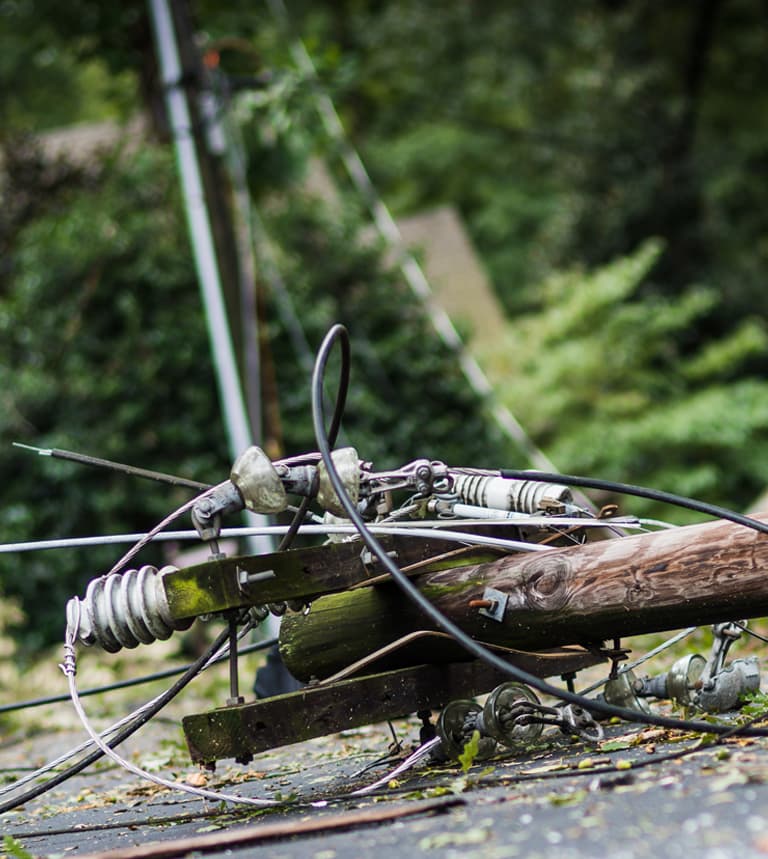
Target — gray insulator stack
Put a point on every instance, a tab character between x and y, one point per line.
125	610
502	493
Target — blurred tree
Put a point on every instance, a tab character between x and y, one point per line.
565	133
601	378
61	64
104	351
408	396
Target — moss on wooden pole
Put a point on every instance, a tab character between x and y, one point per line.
670	579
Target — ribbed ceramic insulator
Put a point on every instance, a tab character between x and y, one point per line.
501	493
125	610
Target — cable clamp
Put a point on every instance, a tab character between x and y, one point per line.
368	559
69	665
492	605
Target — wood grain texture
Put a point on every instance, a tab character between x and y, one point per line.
688	576
314	711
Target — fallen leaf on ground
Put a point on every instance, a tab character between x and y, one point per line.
197	779
548	768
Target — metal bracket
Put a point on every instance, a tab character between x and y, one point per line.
498	604
325	708
368	559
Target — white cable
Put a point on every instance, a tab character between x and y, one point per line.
525	520
658	523
69	667
69	670
66	756
459	537
420	753
402	529
439	532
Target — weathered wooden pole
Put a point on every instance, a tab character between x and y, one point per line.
669	579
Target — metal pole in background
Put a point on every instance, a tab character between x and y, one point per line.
238	430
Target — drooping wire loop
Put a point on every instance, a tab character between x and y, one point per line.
338	334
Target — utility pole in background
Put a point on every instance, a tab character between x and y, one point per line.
228	290
212	236
202	137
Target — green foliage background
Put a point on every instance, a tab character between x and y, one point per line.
99	292
603	156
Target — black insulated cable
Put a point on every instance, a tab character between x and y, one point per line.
126	684
141	719
338	333
338	413
639	492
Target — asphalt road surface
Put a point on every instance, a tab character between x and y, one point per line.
639	793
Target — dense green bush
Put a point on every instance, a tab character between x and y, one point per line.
104	351
617	384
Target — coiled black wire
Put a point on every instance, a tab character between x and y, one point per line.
339	334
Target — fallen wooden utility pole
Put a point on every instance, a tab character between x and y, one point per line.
687	576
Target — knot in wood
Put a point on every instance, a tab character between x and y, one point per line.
639	591
545	583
